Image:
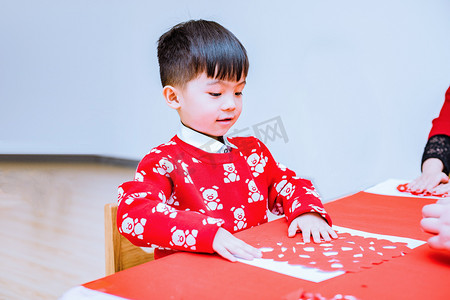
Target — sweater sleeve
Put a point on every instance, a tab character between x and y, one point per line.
441	125
288	193
146	218
438	146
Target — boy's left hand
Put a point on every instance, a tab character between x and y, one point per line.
311	224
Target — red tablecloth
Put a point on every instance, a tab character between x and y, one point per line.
421	274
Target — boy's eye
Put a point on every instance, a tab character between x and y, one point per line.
215	94
238	94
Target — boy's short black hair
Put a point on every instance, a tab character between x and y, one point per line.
197	46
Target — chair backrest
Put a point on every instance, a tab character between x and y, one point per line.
120	253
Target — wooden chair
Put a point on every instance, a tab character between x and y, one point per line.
120	254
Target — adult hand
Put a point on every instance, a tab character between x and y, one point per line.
230	247
311	224
437	221
431	177
441	189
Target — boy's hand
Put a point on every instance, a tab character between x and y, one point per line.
230	247
311	224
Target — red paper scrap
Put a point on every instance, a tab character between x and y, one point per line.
404	189
348	252
318	296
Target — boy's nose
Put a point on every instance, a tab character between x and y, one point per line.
229	103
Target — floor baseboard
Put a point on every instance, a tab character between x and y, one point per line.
69	158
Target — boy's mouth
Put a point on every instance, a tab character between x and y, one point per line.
225	120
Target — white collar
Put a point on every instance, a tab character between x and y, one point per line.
203	141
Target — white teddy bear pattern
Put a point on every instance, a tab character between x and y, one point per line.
184	238
254	194
285	188
257	163
134	227
230	173
239	218
164	167
211	198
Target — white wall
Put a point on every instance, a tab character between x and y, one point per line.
355	83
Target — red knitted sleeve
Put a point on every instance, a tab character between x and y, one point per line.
288	193
441	125
146	217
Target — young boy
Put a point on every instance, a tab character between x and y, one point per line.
196	190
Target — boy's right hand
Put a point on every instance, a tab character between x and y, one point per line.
230	247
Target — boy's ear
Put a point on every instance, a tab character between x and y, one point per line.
170	93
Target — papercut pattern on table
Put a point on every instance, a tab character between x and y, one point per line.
404	189
302	295
348	252
318	296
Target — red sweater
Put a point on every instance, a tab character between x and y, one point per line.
441	125
181	194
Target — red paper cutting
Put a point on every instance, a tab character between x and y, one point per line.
318	296
346	253
404	189
302	295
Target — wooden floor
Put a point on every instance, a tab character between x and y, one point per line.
51	225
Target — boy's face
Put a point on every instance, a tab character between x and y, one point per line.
210	106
